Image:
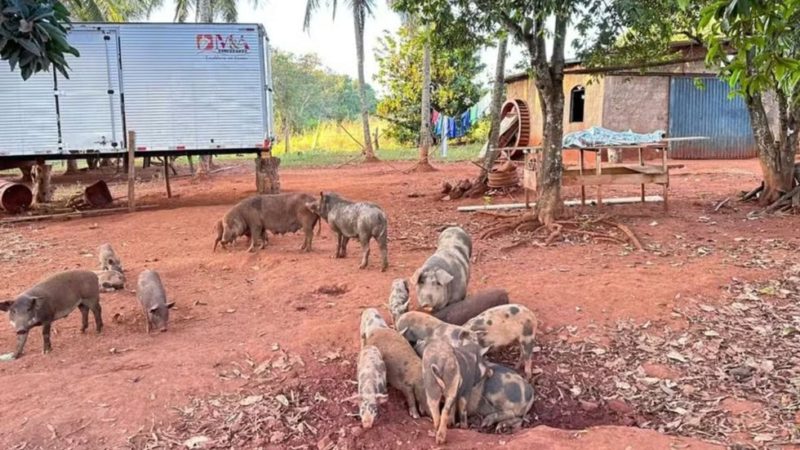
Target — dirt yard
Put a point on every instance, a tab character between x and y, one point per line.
686	344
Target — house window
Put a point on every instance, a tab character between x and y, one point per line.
577	100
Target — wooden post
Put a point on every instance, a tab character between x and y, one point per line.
42	188
267	178
131	170
583	187
166	176
666	170
598	161
641	163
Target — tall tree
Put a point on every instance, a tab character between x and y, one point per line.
110	10
207	11
360	10
454	70
756	44
498	90
423	164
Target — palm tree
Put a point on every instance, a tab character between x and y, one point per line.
360	10
110	10
207	10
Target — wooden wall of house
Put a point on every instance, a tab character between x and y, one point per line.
593	105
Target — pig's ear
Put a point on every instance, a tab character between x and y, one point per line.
6	305
484	351
443	277
154	309
170	305
382	398
405	283
403	331
32	305
415	276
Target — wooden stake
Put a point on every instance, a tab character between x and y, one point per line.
166	176
131	170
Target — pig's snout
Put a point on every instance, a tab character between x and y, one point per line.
163	329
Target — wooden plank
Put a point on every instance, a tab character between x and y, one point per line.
131	171
69	215
575	202
607	179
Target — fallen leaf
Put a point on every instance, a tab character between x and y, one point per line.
676	356
251	400
196	442
282	399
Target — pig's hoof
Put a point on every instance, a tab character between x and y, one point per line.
414	414
46	350
383	268
362	266
440	439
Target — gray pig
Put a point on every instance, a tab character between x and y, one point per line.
278	213
370	320
450	374
108	258
360	220
505	325
403	368
419	328
504	400
110	280
153	298
398	298
371	384
459	313
52	299
443	278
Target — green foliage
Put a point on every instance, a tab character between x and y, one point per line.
204	10
306	93
756	43
454	69
110	10
33	36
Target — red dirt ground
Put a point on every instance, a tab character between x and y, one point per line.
95	391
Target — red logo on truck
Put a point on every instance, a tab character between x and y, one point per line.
218	43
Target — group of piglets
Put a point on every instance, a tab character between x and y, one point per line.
436	356
58	295
288	213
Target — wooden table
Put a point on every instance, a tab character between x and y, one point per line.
605	173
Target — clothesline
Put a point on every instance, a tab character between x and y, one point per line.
460	125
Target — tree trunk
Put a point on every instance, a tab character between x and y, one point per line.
42	187
424	165
548	203
497	102
267	179
776	156
287	135
549	78
358	20
72	167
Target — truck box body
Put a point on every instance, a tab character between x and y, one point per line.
182	87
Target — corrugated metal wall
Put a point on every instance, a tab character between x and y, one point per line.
708	112
89	101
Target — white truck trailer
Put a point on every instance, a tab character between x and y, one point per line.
183	88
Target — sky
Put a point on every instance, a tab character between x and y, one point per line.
332	40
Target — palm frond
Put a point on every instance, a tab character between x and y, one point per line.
311	7
227	9
182	8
